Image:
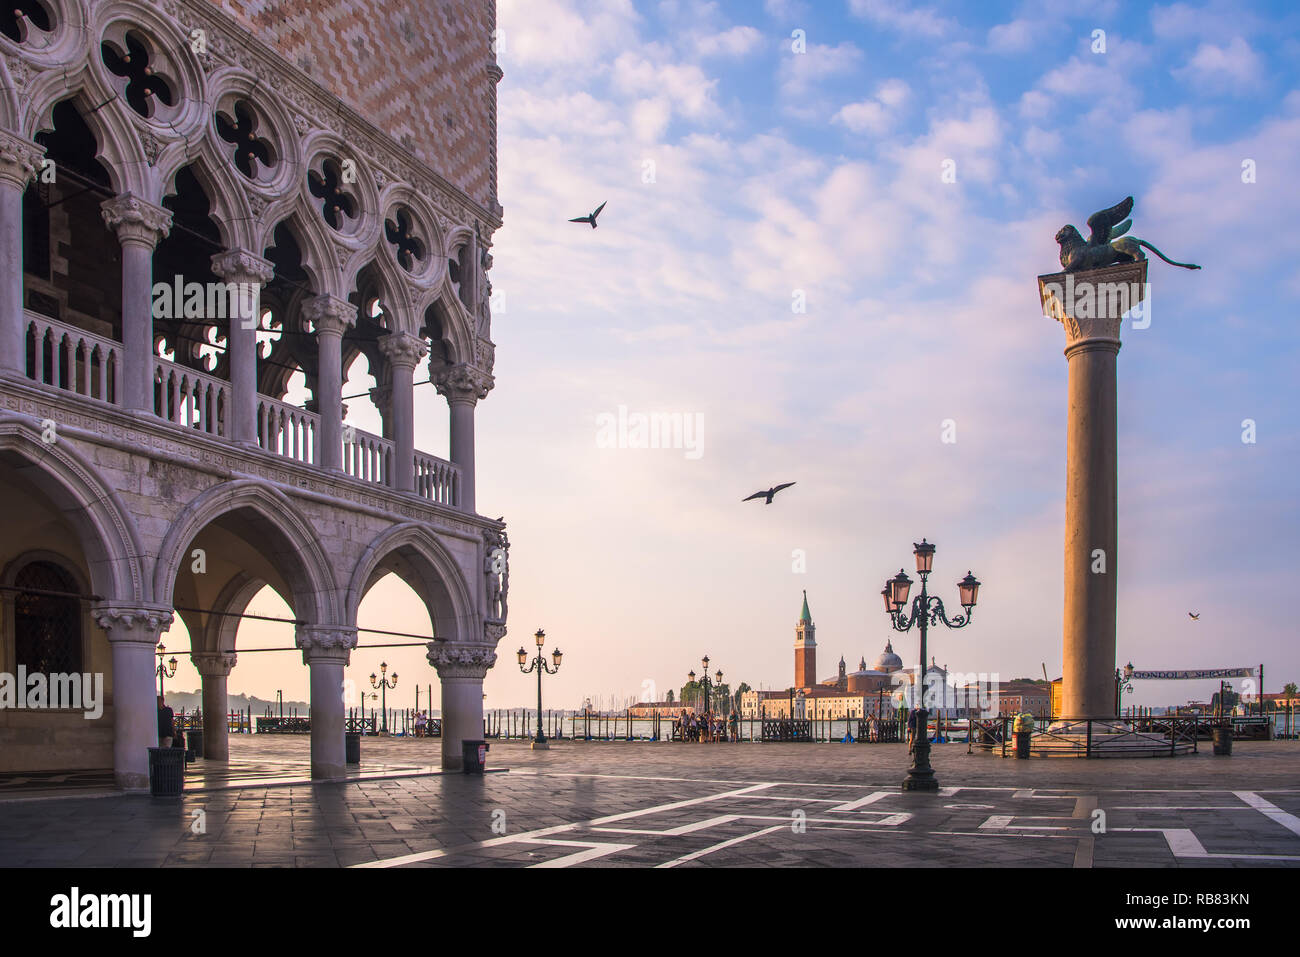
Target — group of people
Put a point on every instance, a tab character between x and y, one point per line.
708	726
421	724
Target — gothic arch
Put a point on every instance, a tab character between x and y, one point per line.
299	558
229	208
418	558
108	539
116	147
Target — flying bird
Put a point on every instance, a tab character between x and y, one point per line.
1194	616
590	219
768	494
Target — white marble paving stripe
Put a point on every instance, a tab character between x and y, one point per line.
1270	810
695	855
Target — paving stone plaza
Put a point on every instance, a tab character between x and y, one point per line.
638	804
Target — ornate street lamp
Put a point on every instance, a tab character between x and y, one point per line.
705	683
926	610
165	670
539	665
1123	682
382	682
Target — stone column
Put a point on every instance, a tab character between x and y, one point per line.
1089	306
464	386
250	273
327	650
330	318
214	668
403	352
133	633
18	161
461	667
140	226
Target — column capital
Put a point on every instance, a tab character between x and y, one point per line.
403	350
325	641
461	660
213	664
133	623
462	383
329	316
1090	305
19	158
135	220
239	265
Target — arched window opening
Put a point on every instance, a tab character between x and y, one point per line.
47	625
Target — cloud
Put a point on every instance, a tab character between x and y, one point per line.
877	114
800	75
735	42
685	86
903	18
1234	68
1018	36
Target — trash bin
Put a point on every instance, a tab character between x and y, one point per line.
1023	729
352	747
166	772
1222	737
474	756
194	744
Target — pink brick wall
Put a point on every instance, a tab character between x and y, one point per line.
417	69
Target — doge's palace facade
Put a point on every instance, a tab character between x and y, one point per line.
209	212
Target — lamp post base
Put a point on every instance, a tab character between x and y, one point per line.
920	776
541	746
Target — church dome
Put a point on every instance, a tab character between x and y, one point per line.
888	661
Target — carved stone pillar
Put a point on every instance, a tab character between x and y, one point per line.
250	273
18	161
464	386
461	667
1089	306
214	668
403	352
140	226
327	650
330	318
133	633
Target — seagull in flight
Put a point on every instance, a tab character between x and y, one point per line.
1194	616
592	218
768	494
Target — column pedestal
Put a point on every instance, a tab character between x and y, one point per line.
133	634
461	667
1089	306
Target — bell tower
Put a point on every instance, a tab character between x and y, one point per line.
805	649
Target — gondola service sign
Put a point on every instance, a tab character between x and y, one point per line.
1201	673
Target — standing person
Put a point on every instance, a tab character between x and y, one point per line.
166	724
911	729
735	725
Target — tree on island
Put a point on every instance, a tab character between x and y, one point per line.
670	695
1290	689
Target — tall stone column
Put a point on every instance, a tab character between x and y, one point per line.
214	668
462	668
327	650
140	226
330	318
133	633
18	161
249	273
403	352
464	386
1089	306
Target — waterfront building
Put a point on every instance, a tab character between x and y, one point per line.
210	213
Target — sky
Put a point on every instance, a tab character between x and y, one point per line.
824	227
